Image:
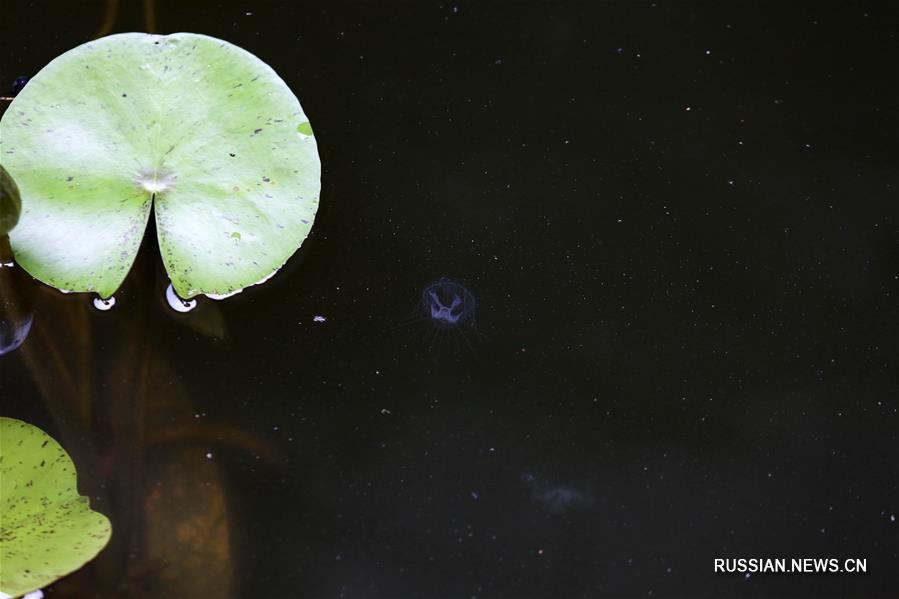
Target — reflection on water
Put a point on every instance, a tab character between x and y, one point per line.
185	542
16	309
13	332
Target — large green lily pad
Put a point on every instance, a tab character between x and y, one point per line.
47	530
197	128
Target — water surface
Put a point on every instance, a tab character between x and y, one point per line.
675	221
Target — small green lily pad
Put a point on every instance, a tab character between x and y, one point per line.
47	530
199	130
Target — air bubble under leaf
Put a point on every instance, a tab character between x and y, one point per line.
198	130
47	530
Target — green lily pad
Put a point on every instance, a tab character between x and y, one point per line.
47	530
196	128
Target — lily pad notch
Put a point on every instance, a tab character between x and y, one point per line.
47	529
198	131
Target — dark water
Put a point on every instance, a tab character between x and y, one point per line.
677	222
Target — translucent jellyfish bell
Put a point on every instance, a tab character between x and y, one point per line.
448	304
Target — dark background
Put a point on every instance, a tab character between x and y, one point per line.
678	221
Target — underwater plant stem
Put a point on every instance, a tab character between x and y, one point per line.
109	18
150	15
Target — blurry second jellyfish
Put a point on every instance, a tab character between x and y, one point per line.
556	499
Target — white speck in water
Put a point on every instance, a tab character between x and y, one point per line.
385	412
104	304
9	264
178	304
318	318
209	455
